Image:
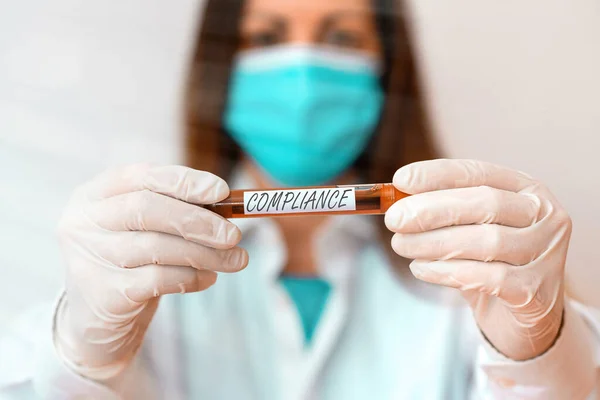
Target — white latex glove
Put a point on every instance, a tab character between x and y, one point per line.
130	236
497	235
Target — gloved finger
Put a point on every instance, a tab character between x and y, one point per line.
149	211
493	278
115	181
183	183
187	184
472	242
134	249
475	205
441	174
157	280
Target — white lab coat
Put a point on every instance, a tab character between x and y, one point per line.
382	335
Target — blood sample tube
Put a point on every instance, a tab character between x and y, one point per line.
319	200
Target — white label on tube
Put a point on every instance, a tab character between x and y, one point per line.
300	200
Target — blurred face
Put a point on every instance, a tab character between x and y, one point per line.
305	96
347	24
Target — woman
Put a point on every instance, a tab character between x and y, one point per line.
305	93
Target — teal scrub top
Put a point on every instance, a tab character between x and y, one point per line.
309	295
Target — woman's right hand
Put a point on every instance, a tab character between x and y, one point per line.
130	236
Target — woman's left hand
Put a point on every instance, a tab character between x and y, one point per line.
497	235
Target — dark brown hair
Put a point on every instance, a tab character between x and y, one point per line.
401	136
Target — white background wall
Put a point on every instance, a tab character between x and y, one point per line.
85	85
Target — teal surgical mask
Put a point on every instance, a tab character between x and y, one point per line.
303	113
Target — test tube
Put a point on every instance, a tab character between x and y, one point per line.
303	201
